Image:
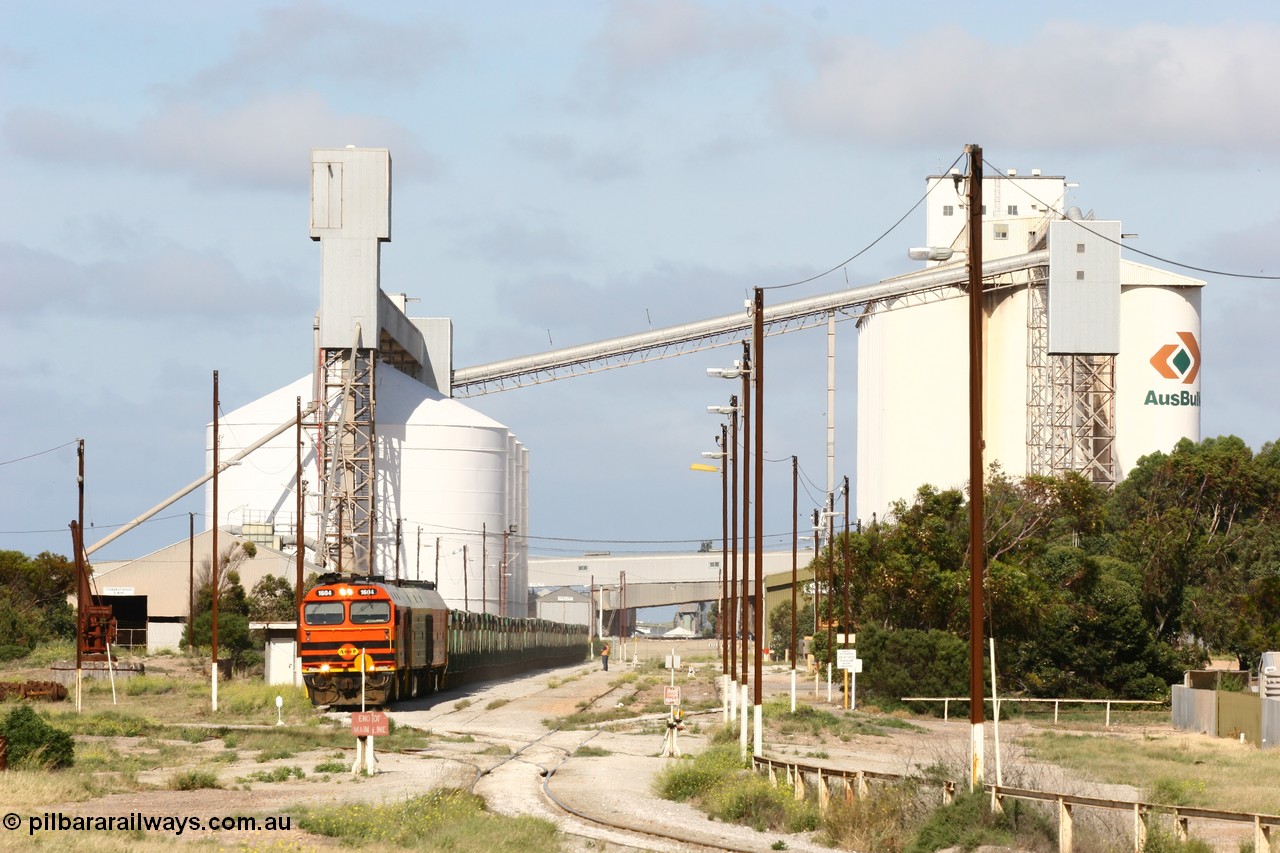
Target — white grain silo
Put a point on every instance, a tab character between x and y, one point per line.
400	480
1090	361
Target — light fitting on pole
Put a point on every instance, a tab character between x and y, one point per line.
734	372
933	253
713	454
721	410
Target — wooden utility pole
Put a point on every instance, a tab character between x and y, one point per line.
976	478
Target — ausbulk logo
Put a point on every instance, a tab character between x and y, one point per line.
1180	361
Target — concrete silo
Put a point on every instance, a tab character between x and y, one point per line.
1090	361
399	479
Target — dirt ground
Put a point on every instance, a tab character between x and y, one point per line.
493	735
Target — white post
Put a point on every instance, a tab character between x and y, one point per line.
995	712
793	689
79	686
742	735
111	675
213	670
758	743
828	682
853	689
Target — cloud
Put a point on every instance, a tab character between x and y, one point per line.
1068	85
256	144
571	160
323	43
516	243
645	40
167	280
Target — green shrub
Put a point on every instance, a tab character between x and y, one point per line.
12	652
32	741
968	822
191	780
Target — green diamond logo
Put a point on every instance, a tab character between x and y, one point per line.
1181	361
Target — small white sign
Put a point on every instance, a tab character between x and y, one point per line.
117	590
848	659
846	639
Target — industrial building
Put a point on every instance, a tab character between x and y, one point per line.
1091	361
395	473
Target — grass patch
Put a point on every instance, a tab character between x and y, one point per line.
591	752
719	782
276	774
497	703
462	704
696	777
445	819
1187	769
883	819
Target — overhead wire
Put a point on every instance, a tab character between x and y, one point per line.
39	453
1154	257
870	245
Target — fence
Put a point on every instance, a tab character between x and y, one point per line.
855	783
947	700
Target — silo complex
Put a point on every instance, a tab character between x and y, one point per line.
399	480
452	478
1089	361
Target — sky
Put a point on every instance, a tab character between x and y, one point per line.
565	172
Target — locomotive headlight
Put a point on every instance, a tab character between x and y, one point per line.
324	667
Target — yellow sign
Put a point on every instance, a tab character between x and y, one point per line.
363	663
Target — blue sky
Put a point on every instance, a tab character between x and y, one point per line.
566	172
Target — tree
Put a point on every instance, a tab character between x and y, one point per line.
33	598
233	606
272	600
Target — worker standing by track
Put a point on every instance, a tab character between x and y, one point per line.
604	656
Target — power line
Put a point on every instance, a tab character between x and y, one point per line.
1163	260
40	453
867	247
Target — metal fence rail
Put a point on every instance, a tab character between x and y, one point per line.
947	700
855	783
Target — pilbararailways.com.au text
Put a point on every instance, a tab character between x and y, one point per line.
138	822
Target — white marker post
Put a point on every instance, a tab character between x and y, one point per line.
848	660
364	749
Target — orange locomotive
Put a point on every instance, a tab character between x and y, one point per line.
408	642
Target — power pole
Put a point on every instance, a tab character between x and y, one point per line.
976	479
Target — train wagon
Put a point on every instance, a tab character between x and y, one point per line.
408	642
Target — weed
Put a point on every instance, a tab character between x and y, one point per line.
591	752
756	802
276	774
968	822
331	767
1160	841
496	703
462	704
191	780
